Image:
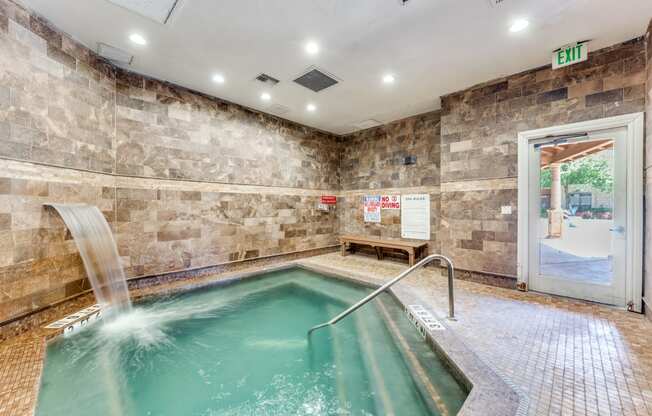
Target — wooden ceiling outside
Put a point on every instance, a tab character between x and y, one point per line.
567	152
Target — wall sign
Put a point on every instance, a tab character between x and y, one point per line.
415	216
371	205
328	199
570	54
390	202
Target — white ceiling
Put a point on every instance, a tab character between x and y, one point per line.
433	47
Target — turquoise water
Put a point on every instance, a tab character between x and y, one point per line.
242	349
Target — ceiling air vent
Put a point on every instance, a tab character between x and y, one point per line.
278	109
316	80
495	3
266	79
114	54
367	124
158	10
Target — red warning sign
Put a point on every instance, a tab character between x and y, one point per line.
328	199
390	202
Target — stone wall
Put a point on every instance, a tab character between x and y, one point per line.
479	128
373	164
184	179
647	263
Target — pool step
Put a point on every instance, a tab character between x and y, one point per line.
382	399
429	391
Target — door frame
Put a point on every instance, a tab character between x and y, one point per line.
634	123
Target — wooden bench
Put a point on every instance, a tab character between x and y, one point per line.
413	249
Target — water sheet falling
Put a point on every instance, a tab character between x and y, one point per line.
99	253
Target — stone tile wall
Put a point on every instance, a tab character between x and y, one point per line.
166	228
373	164
374	158
39	262
165	131
185	180
479	128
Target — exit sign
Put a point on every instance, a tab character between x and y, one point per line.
570	54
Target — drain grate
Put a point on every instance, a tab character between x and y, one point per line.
423	320
76	320
316	80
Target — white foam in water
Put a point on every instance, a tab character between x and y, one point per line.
146	325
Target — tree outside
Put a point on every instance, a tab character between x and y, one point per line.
589	171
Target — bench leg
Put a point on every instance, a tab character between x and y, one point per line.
379	252
344	252
411	257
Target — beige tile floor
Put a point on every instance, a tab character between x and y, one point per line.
568	357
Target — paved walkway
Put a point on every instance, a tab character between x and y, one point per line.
582	254
564	265
569	357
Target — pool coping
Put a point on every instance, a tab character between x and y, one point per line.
490	394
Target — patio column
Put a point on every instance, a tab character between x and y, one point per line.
555	213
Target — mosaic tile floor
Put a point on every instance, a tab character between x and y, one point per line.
568	357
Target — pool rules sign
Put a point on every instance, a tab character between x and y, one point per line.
570	54
415	216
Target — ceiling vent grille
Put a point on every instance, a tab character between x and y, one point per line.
316	80
158	10
278	109
267	79
367	124
114	54
496	3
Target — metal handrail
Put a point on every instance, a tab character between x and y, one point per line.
428	259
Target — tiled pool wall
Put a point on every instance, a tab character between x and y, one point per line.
142	286
190	181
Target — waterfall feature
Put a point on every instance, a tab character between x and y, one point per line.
99	253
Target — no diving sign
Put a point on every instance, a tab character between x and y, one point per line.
390	202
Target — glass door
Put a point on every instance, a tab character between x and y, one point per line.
578	215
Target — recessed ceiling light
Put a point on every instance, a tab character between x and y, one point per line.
218	79
519	25
311	107
388	79
312	48
138	39
265	96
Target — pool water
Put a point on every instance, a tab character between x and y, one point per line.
242	349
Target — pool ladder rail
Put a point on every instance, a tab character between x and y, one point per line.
371	296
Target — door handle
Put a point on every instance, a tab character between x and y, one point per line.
619	229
